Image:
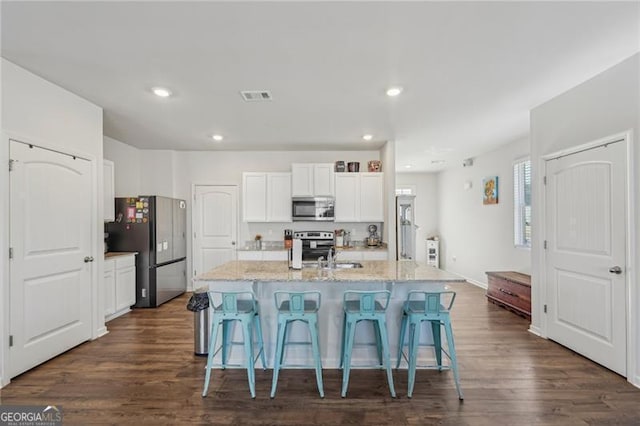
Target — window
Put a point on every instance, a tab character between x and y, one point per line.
522	203
406	190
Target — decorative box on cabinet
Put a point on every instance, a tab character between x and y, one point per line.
511	290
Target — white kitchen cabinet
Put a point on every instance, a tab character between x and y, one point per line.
312	180
359	197
359	255
254	197
347	203
119	285
278	197
266	197
109	212
375	255
371	197
262	255
109	287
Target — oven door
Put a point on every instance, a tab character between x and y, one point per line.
313	249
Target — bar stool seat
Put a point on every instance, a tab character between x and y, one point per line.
365	306
229	307
427	306
297	306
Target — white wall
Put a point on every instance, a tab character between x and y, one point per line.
605	105
127	163
388	158
39	112
475	238
426	207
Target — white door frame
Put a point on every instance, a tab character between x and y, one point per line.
630	280
97	320
193	216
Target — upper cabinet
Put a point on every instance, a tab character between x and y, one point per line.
312	180
109	204
266	197
359	197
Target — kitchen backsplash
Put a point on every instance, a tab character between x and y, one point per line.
275	231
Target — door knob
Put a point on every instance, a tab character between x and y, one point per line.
88	259
615	270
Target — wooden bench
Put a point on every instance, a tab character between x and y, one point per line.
511	290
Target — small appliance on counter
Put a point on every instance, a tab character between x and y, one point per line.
373	240
288	239
295	254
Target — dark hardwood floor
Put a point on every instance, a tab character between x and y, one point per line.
144	372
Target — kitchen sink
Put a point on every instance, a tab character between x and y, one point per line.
337	265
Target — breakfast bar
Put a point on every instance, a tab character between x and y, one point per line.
266	277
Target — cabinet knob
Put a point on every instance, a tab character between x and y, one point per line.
88	259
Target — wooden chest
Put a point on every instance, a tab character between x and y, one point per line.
511	290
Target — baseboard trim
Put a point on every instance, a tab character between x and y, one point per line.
102	331
535	330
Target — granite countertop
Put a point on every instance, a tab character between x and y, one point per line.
111	254
264	248
268	247
403	271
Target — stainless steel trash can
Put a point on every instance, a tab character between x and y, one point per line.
201	335
199	305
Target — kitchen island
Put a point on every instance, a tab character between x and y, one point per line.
266	277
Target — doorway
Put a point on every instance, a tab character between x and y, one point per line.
215	226
51	262
586	231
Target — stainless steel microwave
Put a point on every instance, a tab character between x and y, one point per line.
313	209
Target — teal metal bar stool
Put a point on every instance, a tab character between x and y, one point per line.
235	306
423	306
297	306
365	306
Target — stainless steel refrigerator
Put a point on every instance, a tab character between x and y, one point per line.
155	227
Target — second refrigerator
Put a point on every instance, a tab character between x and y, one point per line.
155	227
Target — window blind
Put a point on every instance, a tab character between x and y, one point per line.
522	203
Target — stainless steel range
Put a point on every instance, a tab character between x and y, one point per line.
315	243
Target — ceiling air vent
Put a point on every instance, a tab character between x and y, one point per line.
256	95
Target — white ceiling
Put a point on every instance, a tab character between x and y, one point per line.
470	71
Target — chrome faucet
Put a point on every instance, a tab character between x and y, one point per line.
331	258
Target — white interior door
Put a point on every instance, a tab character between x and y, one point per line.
586	239
215	226
50	233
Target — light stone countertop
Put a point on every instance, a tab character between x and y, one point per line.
112	254
372	271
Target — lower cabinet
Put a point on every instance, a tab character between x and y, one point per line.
119	285
262	255
357	255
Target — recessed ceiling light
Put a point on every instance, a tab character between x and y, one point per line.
438	161
408	166
394	91
217	138
161	91
367	137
